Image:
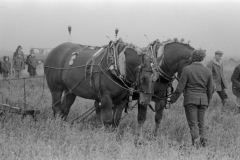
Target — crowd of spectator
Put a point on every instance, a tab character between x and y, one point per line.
17	65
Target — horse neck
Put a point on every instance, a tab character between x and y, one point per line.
176	56
133	61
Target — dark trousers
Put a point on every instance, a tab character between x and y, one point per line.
222	94
32	72
195	116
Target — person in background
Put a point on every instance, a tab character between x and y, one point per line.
6	67
32	64
18	65
197	84
19	52
216	68
236	85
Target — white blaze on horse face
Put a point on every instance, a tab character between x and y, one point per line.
151	65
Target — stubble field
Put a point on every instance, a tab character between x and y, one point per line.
53	139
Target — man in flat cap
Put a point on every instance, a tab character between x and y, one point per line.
197	83
216	68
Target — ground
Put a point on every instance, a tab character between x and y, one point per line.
50	138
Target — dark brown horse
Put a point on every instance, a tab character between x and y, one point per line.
105	75
172	57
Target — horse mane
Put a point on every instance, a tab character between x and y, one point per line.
134	47
175	40
121	60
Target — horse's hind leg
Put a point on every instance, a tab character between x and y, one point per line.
56	101
68	100
98	108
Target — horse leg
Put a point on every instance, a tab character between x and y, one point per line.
142	112
98	108
159	108
56	102
117	112
106	109
67	102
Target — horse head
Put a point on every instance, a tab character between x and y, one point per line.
137	69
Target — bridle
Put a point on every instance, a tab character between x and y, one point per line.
140	79
169	79
162	74
137	81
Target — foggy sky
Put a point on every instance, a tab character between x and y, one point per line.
211	25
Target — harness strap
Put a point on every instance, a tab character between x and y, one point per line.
164	75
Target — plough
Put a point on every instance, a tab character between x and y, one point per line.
6	108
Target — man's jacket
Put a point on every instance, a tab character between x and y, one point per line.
32	62
196	83
236	81
217	72
18	63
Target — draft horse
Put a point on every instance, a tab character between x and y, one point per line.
105	74
172	57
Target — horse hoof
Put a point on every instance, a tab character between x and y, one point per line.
139	142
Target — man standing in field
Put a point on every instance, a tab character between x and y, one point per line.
17	55
18	65
236	85
32	64
197	83
216	68
6	67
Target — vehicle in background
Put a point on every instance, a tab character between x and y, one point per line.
40	54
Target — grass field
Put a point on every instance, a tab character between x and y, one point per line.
53	139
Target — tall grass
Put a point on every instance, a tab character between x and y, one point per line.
53	139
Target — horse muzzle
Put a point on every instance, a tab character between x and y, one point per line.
145	99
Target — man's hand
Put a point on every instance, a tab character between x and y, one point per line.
168	105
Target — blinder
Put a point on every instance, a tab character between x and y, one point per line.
141	78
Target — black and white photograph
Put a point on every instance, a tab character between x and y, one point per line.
119	79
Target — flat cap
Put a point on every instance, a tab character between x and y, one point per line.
219	52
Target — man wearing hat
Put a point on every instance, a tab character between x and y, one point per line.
216	68
32	64
236	85
197	83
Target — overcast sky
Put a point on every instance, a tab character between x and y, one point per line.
211	25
